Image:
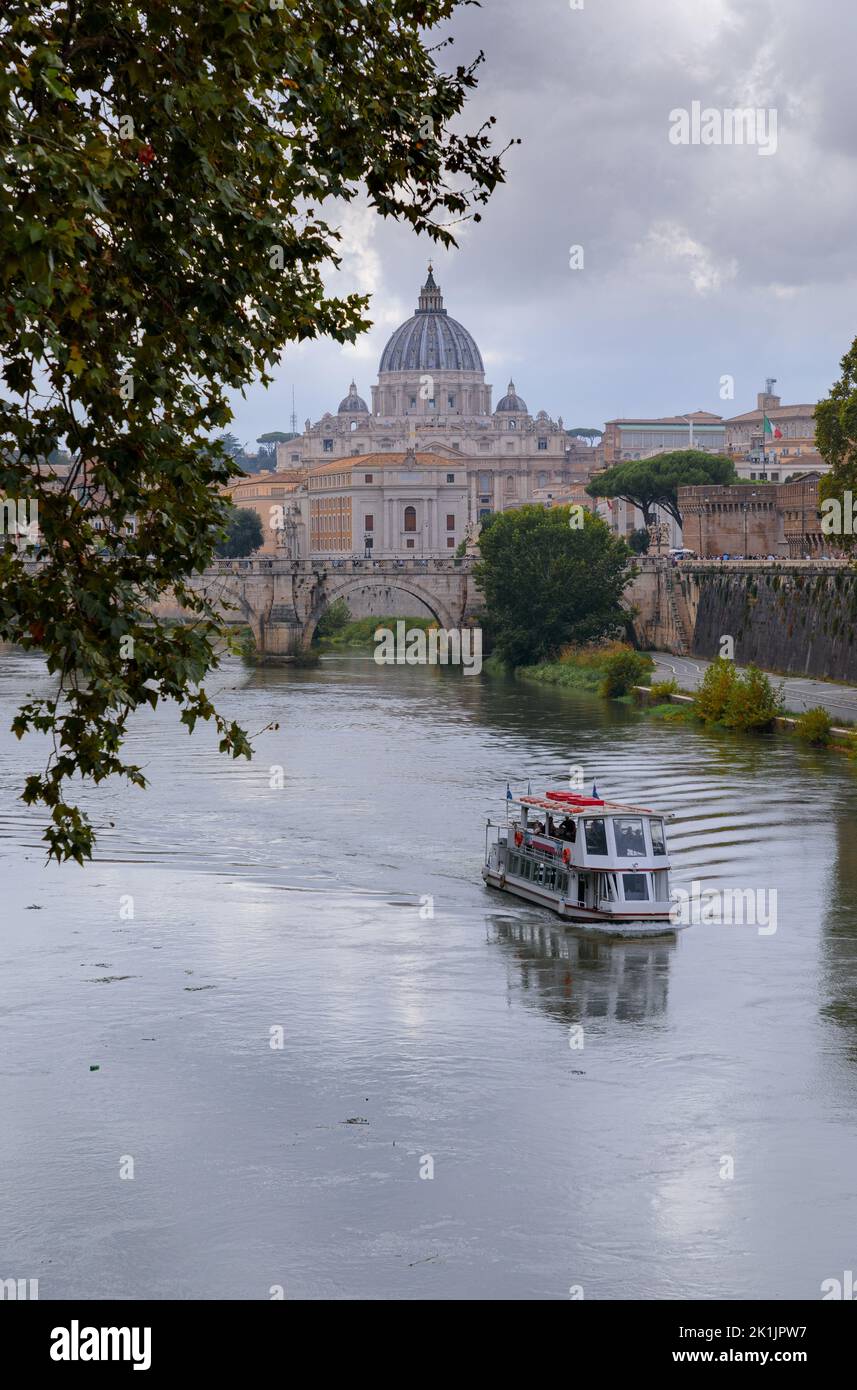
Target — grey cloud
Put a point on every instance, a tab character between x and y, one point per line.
698	260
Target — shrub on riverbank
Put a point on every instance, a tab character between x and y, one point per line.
754	703
737	700
714	691
623	670
334	621
814	726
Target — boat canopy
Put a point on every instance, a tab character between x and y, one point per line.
571	804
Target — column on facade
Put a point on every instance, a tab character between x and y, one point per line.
472	506
391	534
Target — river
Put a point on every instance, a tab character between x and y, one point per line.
332	1064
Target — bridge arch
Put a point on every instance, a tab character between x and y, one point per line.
328	593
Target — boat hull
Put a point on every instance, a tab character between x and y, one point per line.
656	922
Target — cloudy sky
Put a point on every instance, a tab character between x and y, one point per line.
699	261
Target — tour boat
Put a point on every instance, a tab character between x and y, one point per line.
592	861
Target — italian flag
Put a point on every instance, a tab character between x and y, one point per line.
768	430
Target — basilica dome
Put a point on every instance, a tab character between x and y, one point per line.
431	341
511	403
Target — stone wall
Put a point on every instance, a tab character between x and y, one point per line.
796	617
800	623
742	520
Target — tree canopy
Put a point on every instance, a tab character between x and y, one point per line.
587	434
244	534
547	583
654	482
836	438
165	171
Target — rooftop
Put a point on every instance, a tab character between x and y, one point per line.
376	462
698	417
776	412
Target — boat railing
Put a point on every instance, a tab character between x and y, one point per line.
550	856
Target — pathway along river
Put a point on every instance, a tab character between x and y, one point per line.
412	1042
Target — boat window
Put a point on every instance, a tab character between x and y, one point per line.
596	836
628	831
636	888
659	844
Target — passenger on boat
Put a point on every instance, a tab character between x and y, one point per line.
568	829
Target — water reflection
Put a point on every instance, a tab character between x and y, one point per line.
839	940
574	975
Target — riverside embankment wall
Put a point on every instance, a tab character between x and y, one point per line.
798	617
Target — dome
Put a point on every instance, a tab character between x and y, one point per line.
511	403
353	404
430	341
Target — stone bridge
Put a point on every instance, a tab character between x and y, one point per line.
281	601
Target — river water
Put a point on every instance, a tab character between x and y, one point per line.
701	1142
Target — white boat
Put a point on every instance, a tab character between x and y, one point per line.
591	861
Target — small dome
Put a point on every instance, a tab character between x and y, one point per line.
353	404
511	403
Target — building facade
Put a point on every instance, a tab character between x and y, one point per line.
783	520
786	449
625	440
388	505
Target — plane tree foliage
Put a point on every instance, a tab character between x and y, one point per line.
173	173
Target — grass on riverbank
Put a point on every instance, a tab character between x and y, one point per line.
360	632
737	701
590	667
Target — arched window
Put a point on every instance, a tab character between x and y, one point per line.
410	518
